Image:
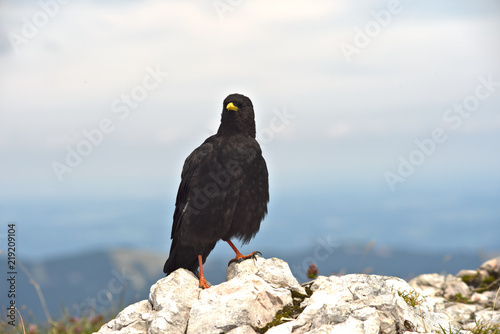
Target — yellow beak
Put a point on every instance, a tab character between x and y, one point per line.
231	106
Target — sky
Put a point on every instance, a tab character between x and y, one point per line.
384	99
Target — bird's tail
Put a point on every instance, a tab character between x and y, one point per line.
181	256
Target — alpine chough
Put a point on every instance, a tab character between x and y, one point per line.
223	193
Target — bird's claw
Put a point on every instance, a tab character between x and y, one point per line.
202	280
242	258
204	283
254	254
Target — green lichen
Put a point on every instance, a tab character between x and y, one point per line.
471	279
286	314
461	299
488	283
282	316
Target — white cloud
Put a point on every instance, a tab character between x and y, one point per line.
279	53
340	130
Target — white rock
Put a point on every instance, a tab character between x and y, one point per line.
350	326
480	298
369	302
435	304
172	298
462	313
242	330
489	316
130	319
274	271
428	284
454	286
493	297
257	289
244	300
250	266
327	329
285	328
491	266
318	282
466	272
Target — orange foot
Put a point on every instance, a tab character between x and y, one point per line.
239	257
203	283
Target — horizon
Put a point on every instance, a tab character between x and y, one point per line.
378	120
345	217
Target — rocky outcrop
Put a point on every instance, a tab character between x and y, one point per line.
262	296
472	298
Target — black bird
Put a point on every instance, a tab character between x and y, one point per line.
223	193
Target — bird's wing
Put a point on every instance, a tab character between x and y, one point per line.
192	162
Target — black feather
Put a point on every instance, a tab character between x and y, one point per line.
224	189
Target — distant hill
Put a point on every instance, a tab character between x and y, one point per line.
96	282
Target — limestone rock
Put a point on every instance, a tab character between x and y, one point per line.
364	304
489	316
428	284
354	304
285	328
486	276
462	313
318	282
463	298
172	298
130	318
466	273
482	298
274	271
454	286
166	311
242	330
244	300
492	266
490	298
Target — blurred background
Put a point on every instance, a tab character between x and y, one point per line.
379	122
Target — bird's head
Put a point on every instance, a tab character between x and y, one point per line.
237	116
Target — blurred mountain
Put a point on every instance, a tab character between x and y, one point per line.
104	281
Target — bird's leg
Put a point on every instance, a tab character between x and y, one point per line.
240	257
203	281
